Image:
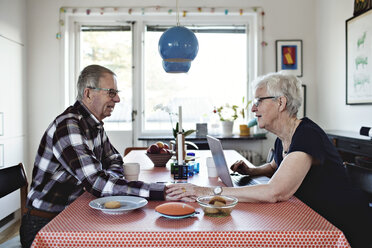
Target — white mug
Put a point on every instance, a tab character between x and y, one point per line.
211	167
131	171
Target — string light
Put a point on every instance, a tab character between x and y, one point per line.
142	10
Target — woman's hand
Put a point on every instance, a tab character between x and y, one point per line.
240	167
186	192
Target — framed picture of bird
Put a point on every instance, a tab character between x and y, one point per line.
359	59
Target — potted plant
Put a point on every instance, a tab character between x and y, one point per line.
227	115
185	133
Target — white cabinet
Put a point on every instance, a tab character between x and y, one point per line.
12	93
11	88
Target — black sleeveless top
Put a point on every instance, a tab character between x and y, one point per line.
327	188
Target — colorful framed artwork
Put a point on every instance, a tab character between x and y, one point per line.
289	56
359	59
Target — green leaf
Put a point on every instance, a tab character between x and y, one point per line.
188	132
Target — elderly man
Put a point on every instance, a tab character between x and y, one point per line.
75	155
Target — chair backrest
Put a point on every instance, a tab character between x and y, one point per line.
270	155
360	176
11	179
128	149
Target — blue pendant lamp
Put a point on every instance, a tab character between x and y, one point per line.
178	45
176	67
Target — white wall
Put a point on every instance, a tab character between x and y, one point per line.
331	78
320	24
285	19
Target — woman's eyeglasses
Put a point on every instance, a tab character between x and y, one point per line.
111	92
257	101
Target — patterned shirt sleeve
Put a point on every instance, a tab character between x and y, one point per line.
82	157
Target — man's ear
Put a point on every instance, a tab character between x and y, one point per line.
87	94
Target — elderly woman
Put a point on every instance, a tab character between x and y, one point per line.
305	164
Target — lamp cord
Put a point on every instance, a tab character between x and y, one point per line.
178	14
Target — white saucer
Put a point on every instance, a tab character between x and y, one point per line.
128	203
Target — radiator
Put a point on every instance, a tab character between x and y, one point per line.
252	156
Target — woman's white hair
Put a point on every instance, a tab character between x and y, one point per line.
282	84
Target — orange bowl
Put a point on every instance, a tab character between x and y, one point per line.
159	160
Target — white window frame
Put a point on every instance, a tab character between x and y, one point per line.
70	56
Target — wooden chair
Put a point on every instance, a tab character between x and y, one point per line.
128	149
11	179
360	176
270	155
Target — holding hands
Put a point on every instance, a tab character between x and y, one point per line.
186	192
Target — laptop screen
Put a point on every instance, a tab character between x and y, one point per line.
220	160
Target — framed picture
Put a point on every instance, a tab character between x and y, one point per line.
289	56
358	59
1	123
361	6
1	155
302	110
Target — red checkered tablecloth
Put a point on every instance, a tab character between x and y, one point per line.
286	224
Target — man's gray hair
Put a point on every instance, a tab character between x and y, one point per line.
89	77
282	84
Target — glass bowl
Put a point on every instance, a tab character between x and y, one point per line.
217	206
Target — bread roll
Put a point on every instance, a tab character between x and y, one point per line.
112	204
217	199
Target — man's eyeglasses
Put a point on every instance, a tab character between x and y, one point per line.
111	92
257	101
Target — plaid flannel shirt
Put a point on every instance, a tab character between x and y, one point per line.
74	155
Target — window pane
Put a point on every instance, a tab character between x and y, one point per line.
217	76
111	46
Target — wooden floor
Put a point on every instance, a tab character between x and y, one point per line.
10	232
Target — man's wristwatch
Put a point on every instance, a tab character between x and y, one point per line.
217	190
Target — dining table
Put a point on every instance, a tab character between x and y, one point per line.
284	224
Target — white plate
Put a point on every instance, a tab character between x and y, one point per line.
128	203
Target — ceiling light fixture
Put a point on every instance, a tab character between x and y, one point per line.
178	44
